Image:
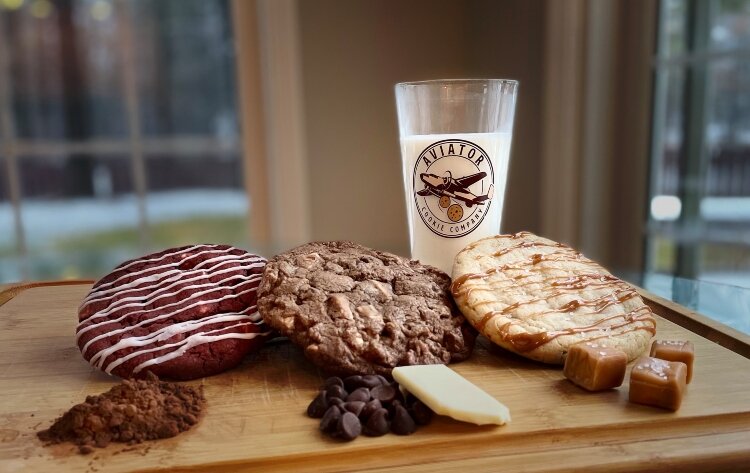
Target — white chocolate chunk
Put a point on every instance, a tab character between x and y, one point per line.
448	393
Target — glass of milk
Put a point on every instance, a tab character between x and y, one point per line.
455	146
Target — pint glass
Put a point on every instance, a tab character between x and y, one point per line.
455	147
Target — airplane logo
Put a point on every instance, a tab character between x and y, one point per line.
452	207
447	188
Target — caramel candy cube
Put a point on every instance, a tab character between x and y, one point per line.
595	367
658	382
675	350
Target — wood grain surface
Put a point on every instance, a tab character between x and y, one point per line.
255	414
9	291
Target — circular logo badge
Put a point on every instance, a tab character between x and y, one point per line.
453	187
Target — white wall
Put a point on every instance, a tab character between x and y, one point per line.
354	51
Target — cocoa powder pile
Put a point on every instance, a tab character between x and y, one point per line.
131	412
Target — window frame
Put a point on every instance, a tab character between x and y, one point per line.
694	62
14	149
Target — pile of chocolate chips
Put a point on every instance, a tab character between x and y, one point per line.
368	404
133	411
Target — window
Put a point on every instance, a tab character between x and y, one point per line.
118	133
699	219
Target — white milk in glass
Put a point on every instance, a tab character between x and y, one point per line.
455	187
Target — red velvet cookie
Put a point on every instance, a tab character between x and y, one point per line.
182	313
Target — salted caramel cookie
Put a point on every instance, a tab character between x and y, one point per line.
537	297
354	310
182	313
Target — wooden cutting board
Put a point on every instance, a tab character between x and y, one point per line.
255	415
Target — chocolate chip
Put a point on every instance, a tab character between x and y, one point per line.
399	395
330	420
421	413
402	423
360	409
348	427
370	381
334	381
355	407
359	394
391	406
377	424
409	399
336	391
369	408
384	393
334	401
318	406
353	382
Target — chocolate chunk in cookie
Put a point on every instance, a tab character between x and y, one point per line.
355	310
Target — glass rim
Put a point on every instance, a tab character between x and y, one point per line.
455	81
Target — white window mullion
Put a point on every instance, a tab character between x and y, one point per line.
130	92
10	152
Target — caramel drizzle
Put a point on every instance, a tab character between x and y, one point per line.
602	302
529	244
465	292
561	292
514	236
539	257
458	283
461	280
599	304
529	341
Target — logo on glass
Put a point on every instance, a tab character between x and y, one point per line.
453	187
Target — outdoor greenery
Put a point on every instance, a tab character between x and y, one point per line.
93	254
160	235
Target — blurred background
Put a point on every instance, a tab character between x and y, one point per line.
130	126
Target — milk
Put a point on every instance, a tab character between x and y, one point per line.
455	187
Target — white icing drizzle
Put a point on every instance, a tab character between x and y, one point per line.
114	287
166	277
154	319
155	295
166	281
162	257
198	339
213	288
165	334
169	331
170	253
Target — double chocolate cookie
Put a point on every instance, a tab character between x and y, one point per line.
355	310
182	313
